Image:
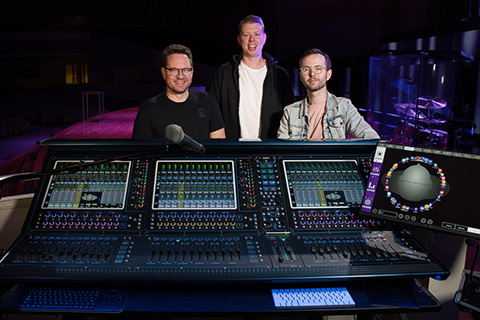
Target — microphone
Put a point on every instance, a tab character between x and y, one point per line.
174	134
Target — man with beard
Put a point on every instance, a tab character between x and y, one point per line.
196	112
321	115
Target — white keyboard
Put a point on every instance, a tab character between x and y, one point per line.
312	297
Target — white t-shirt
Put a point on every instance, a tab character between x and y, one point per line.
251	93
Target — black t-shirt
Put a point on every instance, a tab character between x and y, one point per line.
198	116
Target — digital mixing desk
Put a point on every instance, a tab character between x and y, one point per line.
133	214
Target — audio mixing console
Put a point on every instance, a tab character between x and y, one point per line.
252	211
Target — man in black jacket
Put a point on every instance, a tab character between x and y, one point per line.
252	89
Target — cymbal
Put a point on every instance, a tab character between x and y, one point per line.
436	132
408	109
433	121
431	103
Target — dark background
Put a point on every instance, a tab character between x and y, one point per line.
350	31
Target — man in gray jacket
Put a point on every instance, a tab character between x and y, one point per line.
321	115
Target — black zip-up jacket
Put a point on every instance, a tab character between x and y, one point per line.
277	93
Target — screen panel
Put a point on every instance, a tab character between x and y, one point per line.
323	184
99	186
424	187
194	184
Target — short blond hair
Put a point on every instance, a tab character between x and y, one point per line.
251	19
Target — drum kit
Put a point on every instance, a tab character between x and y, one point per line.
410	131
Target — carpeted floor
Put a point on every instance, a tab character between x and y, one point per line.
117	124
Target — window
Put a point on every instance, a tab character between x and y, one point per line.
76	73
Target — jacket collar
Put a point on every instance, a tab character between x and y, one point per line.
268	58
304	105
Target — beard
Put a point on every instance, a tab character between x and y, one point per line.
178	89
315	86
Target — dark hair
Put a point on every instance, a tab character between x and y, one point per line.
251	19
176	48
316	51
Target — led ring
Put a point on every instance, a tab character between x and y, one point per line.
426	206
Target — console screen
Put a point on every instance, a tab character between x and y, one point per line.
99	186
323	183
194	184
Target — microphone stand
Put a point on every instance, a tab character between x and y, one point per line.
176	151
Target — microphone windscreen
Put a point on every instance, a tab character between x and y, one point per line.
174	134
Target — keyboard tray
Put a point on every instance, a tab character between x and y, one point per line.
84	300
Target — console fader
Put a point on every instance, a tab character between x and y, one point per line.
242	211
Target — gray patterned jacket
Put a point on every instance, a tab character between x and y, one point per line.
341	119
